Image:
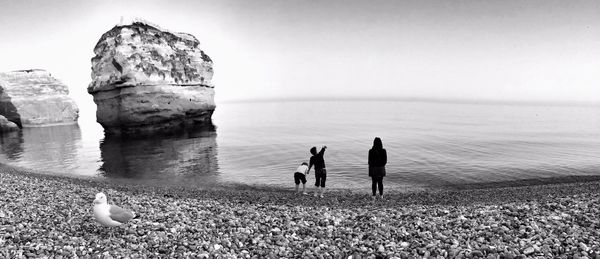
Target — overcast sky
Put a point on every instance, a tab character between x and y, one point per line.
508	50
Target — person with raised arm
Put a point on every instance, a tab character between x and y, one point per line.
318	162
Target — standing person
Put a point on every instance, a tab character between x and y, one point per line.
300	176
320	172
377	161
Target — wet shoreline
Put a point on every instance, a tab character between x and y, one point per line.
484	192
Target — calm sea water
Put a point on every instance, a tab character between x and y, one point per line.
428	144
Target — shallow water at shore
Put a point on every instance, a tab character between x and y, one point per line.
429	144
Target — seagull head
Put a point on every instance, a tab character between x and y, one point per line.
100	198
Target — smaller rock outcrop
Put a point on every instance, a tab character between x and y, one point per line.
32	98
6	125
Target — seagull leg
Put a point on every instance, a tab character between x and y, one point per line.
122	230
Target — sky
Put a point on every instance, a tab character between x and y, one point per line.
528	50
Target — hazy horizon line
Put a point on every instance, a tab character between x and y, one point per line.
415	99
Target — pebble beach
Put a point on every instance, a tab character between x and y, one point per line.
44	216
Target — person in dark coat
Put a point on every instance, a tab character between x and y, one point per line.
377	161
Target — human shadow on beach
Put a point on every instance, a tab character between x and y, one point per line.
187	158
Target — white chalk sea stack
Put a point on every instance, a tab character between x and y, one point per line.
33	98
146	80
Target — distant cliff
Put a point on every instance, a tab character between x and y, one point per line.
146	79
32	98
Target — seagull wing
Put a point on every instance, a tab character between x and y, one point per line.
119	214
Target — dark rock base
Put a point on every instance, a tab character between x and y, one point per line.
154	109
202	122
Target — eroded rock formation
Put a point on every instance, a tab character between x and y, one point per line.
6	125
31	98
146	79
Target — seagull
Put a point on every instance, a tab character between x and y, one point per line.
110	215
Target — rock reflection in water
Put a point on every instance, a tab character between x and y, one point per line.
52	149
189	158
11	144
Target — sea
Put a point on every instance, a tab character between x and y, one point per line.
429	144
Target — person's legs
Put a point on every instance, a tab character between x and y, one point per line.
317	182
323	179
374	185
303	180
380	185
296	181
